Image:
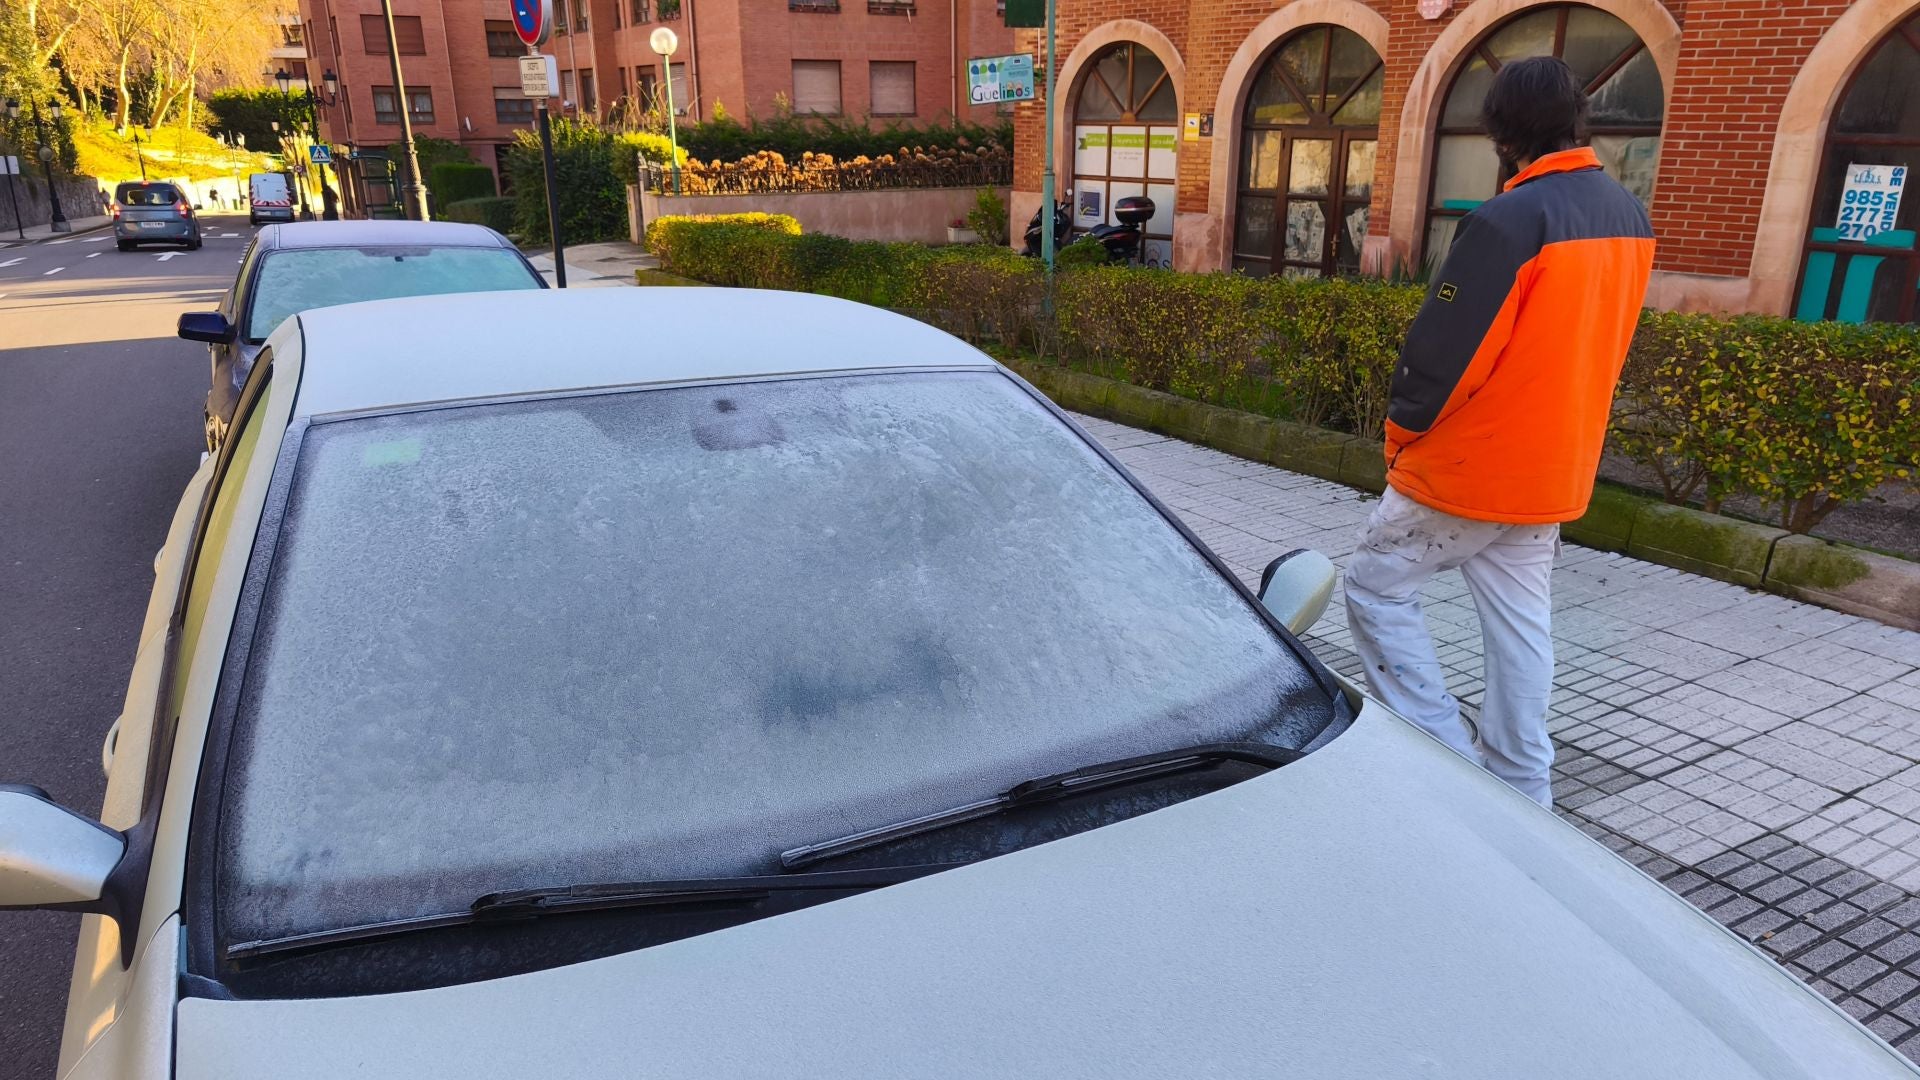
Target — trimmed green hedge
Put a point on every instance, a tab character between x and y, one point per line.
454	181
1802	416
495	212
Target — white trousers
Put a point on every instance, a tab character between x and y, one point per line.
1508	568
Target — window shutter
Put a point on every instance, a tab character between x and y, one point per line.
892	88
816	86
406	30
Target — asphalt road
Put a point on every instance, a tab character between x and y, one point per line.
99	429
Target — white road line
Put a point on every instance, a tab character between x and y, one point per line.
96	240
68	240
93	254
168	255
53	271
226	235
11	262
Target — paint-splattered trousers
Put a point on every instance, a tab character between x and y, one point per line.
1508	569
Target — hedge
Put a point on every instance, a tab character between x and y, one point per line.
727	139
593	204
1804	417
453	181
495	212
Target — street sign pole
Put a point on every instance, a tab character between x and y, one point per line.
533	21
553	195
11	166
1046	176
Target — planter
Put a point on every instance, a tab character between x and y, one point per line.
962	236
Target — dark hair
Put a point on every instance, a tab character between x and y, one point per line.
1534	107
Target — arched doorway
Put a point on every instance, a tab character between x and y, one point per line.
1623	88
1308	138
1125	142
1860	262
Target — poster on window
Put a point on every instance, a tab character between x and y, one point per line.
1090	150
1129	152
1089	203
1163	161
1870	202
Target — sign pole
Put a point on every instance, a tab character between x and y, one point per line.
416	191
1046	177
13	166
553	195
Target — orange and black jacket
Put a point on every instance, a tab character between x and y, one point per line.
1500	402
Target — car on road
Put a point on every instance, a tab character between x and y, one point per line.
151	212
289	268
269	198
757	684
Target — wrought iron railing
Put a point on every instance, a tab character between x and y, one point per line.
840	177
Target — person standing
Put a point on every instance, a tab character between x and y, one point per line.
1497	417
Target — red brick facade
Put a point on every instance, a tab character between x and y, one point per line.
738	53
1731	196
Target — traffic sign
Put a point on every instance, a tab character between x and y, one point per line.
321	155
539	76
533	21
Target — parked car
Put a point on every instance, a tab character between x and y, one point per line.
149	212
705	682
288	268
269	198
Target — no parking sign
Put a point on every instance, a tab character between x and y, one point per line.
533	21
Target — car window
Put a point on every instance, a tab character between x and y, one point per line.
671	633
293	281
149	195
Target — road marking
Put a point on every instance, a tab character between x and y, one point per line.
93	254
168	255
68	240
53	271
96	240
226	235
10	262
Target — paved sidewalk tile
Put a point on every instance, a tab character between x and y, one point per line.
1759	756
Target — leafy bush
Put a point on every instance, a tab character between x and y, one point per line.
988	218
628	145
667	236
431	153
593	203
453	181
1803	416
496	212
904	167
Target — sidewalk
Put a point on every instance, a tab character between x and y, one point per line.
39	233
594	266
1759	756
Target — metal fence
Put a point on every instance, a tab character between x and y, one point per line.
840	177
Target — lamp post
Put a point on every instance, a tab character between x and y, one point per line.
299	162
138	156
59	222
19	226
665	42
311	100
416	191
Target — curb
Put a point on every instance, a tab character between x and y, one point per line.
1853	580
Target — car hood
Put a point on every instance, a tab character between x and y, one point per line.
1380	909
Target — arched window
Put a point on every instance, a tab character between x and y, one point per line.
1308	136
1125	142
1860	263
1624	94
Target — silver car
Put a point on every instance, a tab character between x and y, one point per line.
152	212
701	682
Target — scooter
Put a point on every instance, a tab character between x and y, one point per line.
1122	241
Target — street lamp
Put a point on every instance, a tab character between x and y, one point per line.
19	226
416	190
142	158
312	100
665	42
58	223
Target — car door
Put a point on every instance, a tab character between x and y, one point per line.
227	374
206	525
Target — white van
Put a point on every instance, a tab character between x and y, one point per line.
268	198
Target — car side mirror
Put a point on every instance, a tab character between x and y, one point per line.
1296	587
208	326
51	857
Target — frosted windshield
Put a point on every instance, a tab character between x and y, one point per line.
293	281
671	633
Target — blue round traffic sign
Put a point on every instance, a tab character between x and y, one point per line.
533	21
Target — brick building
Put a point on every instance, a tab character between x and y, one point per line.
901	60
1322	136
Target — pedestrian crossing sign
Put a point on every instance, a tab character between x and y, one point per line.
321	155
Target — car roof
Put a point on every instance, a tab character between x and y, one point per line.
420	349
325	234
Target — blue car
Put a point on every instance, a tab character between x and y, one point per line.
146	213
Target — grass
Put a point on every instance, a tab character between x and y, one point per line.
170	152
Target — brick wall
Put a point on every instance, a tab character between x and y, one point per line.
1409	38
1737	59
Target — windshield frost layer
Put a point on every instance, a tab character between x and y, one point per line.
293	281
671	633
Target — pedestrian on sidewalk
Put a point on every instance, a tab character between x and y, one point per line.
1498	412
331	199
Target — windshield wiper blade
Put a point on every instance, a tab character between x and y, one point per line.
519	904
1080	781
